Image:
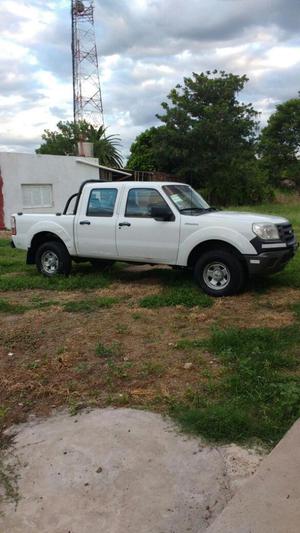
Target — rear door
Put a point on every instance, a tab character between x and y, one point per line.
95	223
140	236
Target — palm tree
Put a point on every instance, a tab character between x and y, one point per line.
106	147
65	140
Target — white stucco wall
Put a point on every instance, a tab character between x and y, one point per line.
64	173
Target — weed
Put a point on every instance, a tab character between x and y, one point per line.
118	370
75	406
122	328
120	399
103	350
33	364
3	411
83	367
137	316
152	368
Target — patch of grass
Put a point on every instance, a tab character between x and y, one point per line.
34	280
33	365
152	368
3	411
9	482
18	309
83	367
89	305
186	295
187	344
137	316
43	304
118	370
15	275
296	309
112	350
257	396
75	406
122	328
12	309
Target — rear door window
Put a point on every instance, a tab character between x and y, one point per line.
102	202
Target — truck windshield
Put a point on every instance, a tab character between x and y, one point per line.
186	199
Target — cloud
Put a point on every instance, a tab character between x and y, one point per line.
145	48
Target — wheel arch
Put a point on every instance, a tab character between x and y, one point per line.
213	244
37	240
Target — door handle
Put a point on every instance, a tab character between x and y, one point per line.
124	224
84	223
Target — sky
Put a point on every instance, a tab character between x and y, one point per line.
145	47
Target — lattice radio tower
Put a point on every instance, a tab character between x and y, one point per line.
87	100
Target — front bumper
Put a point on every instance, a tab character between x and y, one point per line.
270	262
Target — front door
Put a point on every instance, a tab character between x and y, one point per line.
141	237
96	229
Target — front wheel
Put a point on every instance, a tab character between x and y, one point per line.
52	258
219	273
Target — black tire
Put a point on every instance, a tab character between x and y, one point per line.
102	264
53	258
220	273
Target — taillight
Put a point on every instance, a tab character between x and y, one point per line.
13	226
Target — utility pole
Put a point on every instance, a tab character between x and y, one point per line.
87	99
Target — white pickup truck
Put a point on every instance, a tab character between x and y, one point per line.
159	223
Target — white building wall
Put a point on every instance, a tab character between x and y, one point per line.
64	173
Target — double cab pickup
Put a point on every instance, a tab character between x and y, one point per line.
165	223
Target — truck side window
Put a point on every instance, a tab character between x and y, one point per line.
140	201
101	202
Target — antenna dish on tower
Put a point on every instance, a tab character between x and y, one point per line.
79	7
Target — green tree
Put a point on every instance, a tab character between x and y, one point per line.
279	144
143	151
64	142
209	138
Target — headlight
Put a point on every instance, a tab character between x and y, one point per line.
266	231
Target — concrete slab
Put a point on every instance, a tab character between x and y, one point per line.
117	471
270	501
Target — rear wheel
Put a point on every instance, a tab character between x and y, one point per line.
219	273
52	258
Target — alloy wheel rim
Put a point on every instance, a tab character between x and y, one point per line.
216	276
49	262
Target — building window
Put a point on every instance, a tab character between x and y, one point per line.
37	195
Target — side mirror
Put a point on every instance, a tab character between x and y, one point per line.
161	213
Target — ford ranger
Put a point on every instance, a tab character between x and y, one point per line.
160	223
